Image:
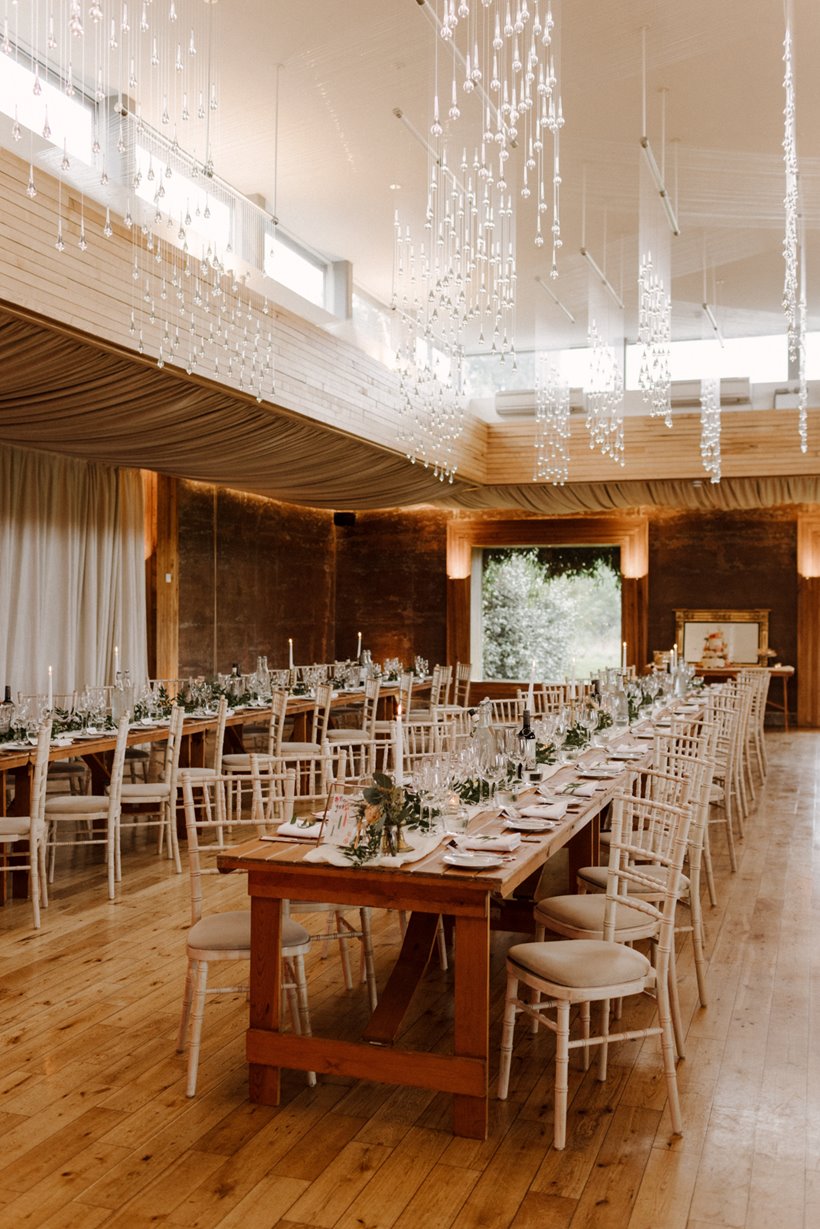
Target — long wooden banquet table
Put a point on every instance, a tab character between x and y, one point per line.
96	752
277	871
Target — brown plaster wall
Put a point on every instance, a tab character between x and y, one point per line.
725	560
391	584
252	573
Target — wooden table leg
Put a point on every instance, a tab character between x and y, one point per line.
472	1017
265	990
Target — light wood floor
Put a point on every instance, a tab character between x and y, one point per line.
95	1128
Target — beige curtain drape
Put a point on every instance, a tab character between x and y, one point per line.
72	573
61	393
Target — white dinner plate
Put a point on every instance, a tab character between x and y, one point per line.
15	746
473	861
598	774
531	825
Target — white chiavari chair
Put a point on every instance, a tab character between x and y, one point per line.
32	828
83	820
312	760
159	798
583	971
226	936
359	743
238	765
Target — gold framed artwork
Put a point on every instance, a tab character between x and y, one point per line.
718	638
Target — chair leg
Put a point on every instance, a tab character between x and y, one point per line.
585	1032
187	999
441	945
304	1007
668	1052
603	1053
369	964
200	990
507	1031
34	873
561	1074
674	1005
707	864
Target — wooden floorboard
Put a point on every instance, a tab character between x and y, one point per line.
96	1129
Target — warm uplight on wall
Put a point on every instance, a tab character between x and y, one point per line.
635	554
808	547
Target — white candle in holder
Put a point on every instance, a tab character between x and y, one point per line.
398	747
50	689
116	660
359	647
623	655
290	653
531	692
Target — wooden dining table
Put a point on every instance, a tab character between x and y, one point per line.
427	889
96	752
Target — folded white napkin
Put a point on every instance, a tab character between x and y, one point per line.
502	842
580	789
301	828
422	846
553	810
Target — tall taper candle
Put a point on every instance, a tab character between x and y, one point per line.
531	692
398	747
116	660
359	647
623	655
290	653
50	689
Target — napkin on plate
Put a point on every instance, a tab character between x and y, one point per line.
297	828
553	810
502	842
580	789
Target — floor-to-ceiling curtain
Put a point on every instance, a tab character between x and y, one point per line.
72	574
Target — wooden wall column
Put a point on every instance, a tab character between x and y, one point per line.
808	650
808	618
167	599
458	619
635	619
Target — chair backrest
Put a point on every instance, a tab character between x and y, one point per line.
39	782
371	703
117	767
421	739
173	746
406	691
454	729
276	725
203	822
461	683
641	826
219	734
439	684
321	713
507	712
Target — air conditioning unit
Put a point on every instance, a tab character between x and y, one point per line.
520	403
686	393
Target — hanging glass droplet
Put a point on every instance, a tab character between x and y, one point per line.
37	87
108	229
60	246
46	125
191	44
81	243
64	162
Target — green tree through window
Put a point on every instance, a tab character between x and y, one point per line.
552	605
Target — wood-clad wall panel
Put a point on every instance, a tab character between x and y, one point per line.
753	442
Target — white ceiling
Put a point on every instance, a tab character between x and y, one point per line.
346	66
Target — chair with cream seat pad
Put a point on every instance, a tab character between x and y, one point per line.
238	765
81	812
217	937
32	827
159	798
359	743
583	971
312	759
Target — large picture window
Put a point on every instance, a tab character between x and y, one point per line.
556	607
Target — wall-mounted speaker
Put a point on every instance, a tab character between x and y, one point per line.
344	518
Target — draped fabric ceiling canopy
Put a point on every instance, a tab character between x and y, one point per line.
67	394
